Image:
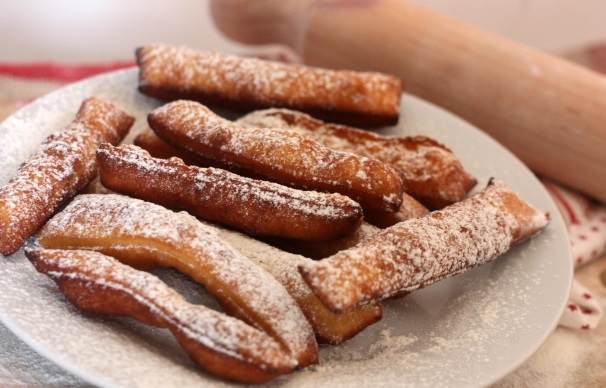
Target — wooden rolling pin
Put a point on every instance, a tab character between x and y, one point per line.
549	112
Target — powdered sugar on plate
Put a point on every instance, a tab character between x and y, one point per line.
469	330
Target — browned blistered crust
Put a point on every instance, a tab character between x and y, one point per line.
282	156
432	173
145	236
422	251
221	345
357	98
64	164
256	207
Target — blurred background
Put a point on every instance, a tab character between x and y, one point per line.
76	31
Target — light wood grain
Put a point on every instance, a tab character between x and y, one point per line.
549	112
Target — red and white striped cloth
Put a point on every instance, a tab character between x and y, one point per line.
586	220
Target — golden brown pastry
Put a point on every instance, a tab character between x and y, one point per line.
282	156
356	98
146	235
330	328
256	207
222	345
96	187
421	251
322	249
158	148
410	208
64	163
432	173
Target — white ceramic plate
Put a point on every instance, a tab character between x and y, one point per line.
469	330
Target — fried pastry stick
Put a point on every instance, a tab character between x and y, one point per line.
63	164
330	328
410	208
282	156
421	251
323	249
147	236
221	345
257	207
357	98
432	173
158	148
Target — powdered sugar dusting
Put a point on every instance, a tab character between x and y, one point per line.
282	265
280	155
522	293
130	222
329	327
63	164
431	171
212	329
421	251
268	83
214	189
424	339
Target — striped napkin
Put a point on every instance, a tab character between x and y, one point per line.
586	222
